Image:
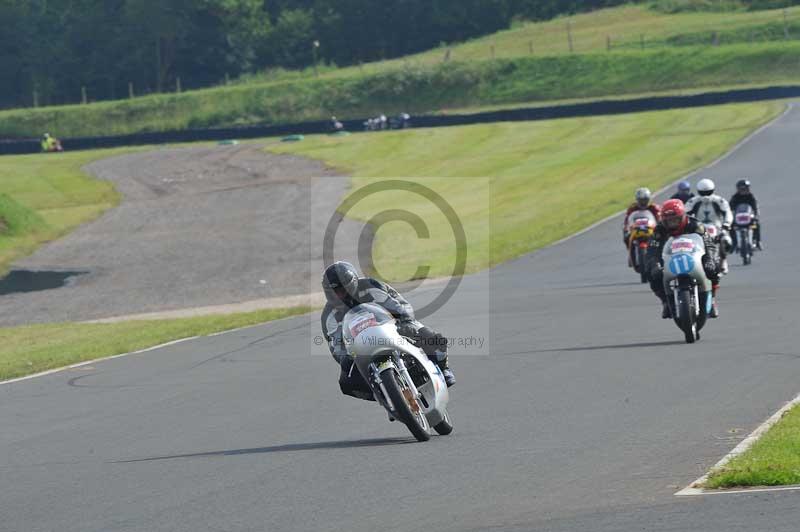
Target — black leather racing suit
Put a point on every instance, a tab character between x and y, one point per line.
373	291
655	250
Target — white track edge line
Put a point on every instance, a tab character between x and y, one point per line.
694	172
153	348
96	360
742	491
582	231
695	488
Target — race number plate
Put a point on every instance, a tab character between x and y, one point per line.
681	264
743	219
682	246
362	322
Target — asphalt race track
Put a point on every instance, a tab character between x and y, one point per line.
589	414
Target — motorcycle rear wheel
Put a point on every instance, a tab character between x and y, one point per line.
445	426
417	423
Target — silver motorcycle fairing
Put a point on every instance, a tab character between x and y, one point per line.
683	256
683	260
371	338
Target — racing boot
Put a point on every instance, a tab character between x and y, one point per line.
666	312
714	308
441	360
723	266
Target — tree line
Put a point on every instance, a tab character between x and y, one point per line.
60	51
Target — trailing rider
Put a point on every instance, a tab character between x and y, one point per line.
745	196
644	202
711	208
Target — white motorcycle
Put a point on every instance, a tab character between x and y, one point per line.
403	380
688	289
719	235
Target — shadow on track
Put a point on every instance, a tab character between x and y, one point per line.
347	444
603	285
599	347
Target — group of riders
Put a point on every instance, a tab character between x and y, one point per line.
706	214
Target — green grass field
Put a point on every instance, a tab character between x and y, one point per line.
35	348
752	51
44	196
545	180
774	460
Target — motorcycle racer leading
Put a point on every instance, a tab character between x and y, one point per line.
345	289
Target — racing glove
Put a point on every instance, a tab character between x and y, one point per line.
710	268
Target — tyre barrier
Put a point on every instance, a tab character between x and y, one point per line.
594	108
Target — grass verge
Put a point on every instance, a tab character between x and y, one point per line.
546	180
421	88
774	460
34	348
43	197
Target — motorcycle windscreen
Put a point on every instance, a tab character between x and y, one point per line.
363	317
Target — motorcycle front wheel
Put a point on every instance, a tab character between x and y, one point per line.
686	315
641	253
406	407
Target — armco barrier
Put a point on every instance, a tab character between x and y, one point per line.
595	108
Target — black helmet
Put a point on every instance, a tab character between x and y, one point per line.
340	284
743	186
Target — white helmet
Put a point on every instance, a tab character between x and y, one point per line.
705	187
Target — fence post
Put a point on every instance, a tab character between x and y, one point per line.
608	43
569	36
227	79
447	55
641	40
35	98
785	25
130	89
530	47
178	84
492	48
715	40
83	95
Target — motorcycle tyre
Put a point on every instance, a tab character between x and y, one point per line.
686	321
402	409
642	270
445	426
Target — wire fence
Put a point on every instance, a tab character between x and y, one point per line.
583	34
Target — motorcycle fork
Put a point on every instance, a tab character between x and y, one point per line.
401	367
377	378
676	304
